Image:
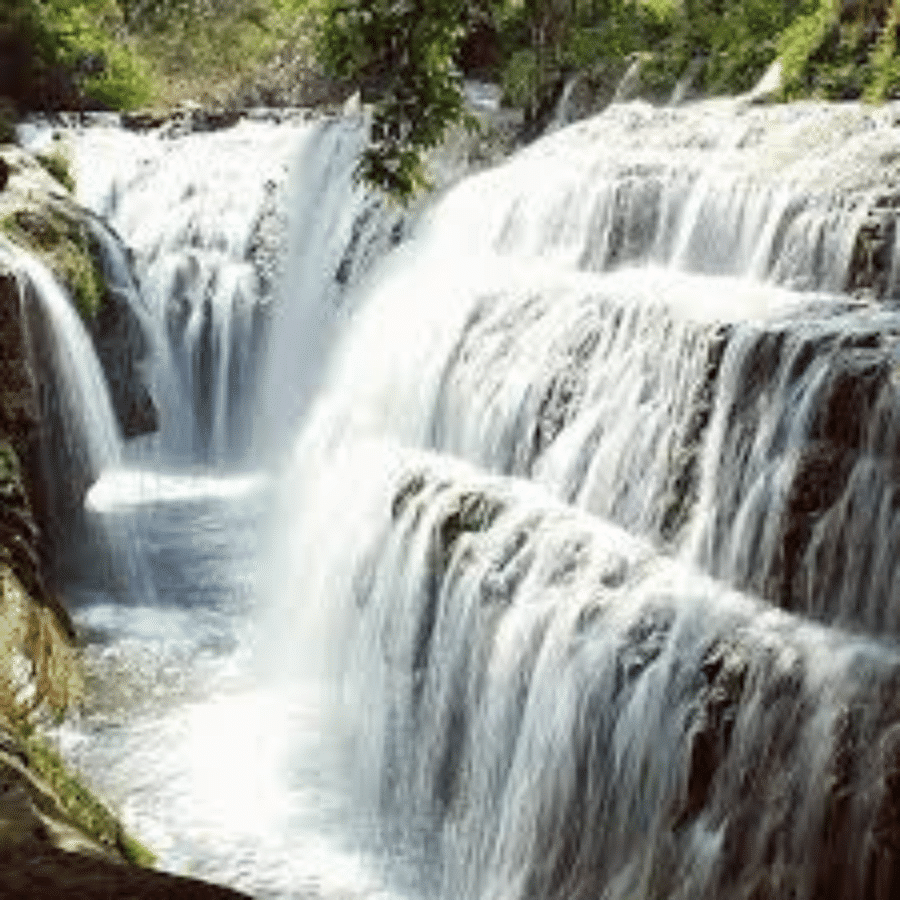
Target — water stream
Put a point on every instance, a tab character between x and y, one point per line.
549	555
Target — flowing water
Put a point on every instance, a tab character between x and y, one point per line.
549	555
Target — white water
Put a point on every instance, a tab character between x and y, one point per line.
88	424
381	672
220	224
82	440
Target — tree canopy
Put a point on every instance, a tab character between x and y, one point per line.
401	54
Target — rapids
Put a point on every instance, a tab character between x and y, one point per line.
536	545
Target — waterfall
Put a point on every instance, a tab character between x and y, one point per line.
89	433
565	713
680	321
80	440
236	236
571	571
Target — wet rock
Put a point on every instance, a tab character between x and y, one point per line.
716	705
122	348
23	481
870	263
41	216
685	479
72	876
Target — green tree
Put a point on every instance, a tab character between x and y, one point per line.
401	55
59	54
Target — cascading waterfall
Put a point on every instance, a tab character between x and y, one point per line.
81	440
567	714
210	220
553	467
699	411
89	431
733	401
193	245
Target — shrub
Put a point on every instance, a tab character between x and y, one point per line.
56	54
402	56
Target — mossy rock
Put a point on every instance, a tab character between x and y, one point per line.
67	246
82	807
59	167
11	484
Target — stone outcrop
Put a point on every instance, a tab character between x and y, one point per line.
38	212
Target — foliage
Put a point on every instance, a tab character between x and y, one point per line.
726	46
843	51
885	81
57	53
123	54
401	53
197	48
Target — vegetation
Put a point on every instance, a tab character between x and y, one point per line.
91	816
401	54
61	54
407	57
198	48
843	51
67	246
124	54
57	164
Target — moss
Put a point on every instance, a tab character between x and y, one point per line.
7	122
67	246
59	166
88	813
10	472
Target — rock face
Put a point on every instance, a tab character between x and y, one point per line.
24	485
120	338
38	212
73	876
